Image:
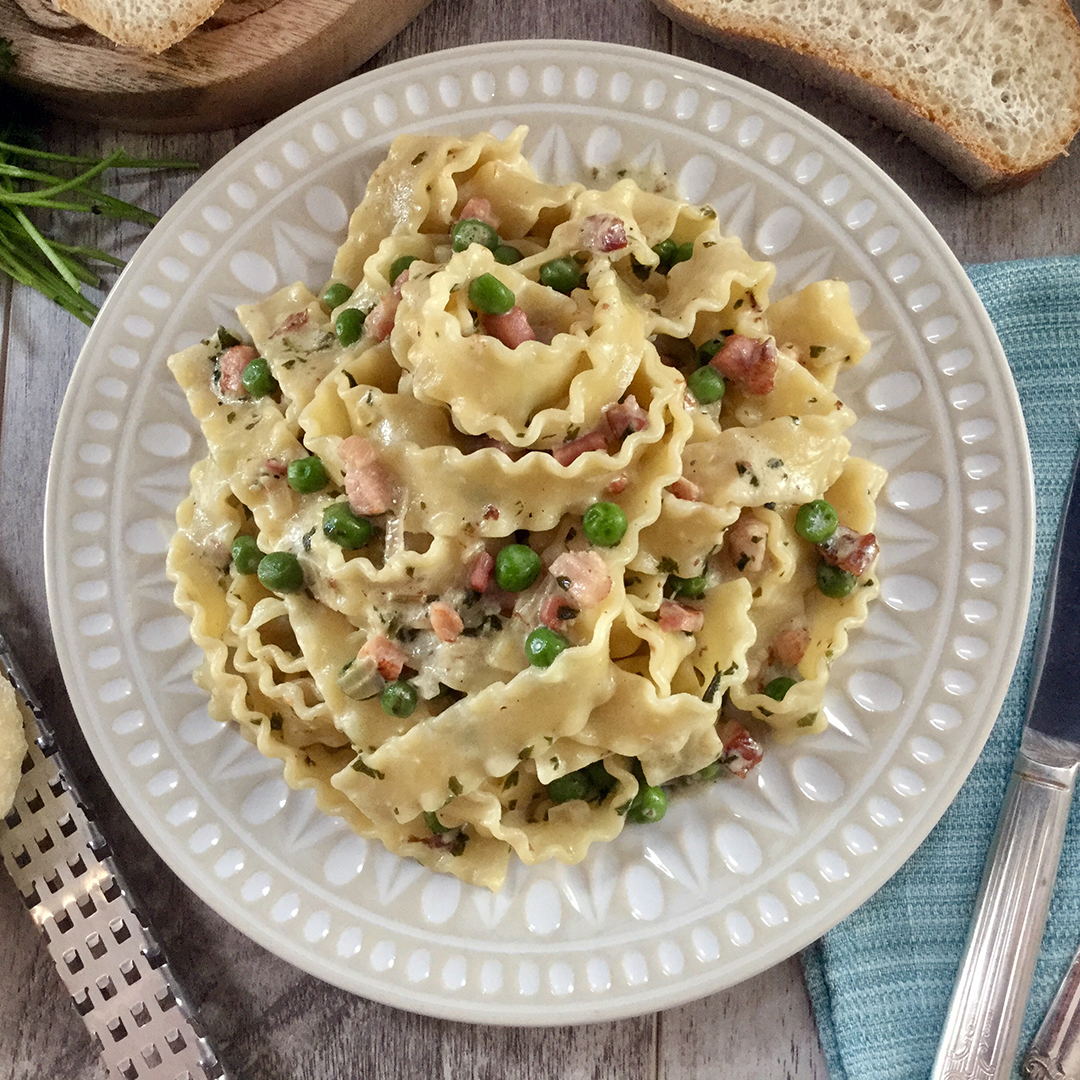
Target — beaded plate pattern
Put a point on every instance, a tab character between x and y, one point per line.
736	877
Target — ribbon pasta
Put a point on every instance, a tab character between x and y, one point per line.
428	696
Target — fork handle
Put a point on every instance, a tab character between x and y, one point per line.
982	1027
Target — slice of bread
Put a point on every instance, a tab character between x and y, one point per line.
989	87
150	25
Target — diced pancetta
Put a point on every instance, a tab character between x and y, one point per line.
388	656
276	467
483	572
686	489
445	621
746	542
479	209
231	364
790	645
572	450
366	483
380	319
618	485
674	616
584	575
623	417
511	329
750	363
850	550
555	612
603	233
741	750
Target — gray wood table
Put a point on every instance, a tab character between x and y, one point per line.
269	1020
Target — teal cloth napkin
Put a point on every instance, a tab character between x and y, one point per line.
880	981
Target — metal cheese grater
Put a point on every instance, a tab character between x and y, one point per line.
107	955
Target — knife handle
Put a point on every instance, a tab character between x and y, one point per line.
1054	1053
982	1027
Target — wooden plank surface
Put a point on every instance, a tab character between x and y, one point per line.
269	1020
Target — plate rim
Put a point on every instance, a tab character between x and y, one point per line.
651	997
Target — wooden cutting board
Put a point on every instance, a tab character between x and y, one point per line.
251	61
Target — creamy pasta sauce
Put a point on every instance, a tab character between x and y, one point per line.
501	537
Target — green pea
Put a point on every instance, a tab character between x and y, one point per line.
344	527
507	255
246	554
666	251
833	581
686	588
473	231
710	772
600	778
257	380
648	805
431	820
400	265
349	325
336	295
517	566
543	645
706	384
398	698
563	275
490	296
574	785
683	252
307	474
280	571
777	688
604	524
816	521
708	349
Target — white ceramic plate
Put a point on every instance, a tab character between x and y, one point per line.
735	878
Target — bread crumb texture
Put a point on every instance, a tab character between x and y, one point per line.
1001	76
149	25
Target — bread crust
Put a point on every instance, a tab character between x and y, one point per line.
154	30
944	128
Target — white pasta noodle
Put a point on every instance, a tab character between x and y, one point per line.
429	699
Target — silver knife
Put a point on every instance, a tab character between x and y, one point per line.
106	953
982	1028
1054	1053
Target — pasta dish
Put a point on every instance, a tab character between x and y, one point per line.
540	511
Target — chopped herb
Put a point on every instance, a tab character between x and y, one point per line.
305	540
276	723
457	845
740	468
711	690
454	784
815	352
667	566
774	463
526	753
230	417
738	304
352	382
362	767
419	157
769	505
743	559
511	780
562	581
566	613
807	720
